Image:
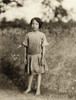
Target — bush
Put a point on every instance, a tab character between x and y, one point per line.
60	56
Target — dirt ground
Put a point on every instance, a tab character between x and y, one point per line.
16	95
9	91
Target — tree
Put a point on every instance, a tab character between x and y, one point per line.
57	10
53	8
4	3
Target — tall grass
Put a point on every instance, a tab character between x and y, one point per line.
60	55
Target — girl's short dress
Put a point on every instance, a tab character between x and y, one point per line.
34	43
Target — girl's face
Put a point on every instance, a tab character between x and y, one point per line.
35	25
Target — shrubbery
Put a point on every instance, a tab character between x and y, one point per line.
60	56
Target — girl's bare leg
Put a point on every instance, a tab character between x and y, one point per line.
38	85
29	84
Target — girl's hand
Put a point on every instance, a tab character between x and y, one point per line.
25	61
42	62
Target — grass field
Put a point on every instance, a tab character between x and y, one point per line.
60	57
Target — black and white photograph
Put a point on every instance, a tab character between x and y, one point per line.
37	49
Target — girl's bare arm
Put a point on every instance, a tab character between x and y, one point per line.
42	55
25	54
43	52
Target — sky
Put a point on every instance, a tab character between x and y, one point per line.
34	8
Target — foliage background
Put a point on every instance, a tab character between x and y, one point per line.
60	56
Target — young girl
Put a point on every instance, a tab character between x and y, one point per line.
35	43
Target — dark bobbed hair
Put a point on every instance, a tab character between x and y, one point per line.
38	20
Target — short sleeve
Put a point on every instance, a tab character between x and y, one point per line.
25	43
44	41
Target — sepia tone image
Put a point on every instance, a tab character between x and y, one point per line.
37	49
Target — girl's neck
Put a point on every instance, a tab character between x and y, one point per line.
35	31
